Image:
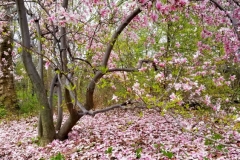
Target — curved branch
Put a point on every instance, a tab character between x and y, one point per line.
99	74
92	113
140	63
117	33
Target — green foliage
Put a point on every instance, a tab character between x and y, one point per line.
28	103
220	147
160	147
109	150
3	112
59	156
216	136
168	154
35	140
138	153
212	141
141	114
208	142
103	69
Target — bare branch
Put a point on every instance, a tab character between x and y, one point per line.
123	69
92	113
140	63
8	4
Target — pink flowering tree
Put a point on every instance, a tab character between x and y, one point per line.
158	53
8	101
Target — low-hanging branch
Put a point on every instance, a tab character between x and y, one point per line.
82	108
122	105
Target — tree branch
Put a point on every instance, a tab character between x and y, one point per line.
116	34
139	66
98	75
236	2
92	113
123	69
140	63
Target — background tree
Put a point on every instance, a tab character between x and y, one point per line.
8	98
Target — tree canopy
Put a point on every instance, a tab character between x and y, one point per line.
101	55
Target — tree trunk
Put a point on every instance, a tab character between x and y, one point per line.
71	121
8	98
46	129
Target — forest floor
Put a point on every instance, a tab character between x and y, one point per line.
127	134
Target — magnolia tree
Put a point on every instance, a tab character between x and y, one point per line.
161	53
7	91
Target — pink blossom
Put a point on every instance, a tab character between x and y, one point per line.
207	100
136	85
115	98
113	87
233	77
129	89
160	76
158	5
62	23
228	83
173	96
103	12
47	64
162	64
142	1
177	44
154	17
186	87
5	53
183	2
52	19
178	86
217	107
142	69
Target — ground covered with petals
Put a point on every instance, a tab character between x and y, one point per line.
126	134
